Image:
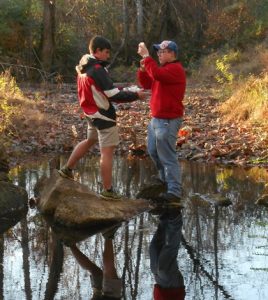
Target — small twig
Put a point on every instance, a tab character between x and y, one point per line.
37	57
43	74
69	12
117	52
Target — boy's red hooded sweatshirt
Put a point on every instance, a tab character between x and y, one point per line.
167	83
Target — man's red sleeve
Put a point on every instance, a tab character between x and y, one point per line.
145	80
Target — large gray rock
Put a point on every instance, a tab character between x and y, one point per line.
13	202
262	200
13	199
73	204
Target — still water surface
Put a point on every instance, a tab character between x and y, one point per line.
223	251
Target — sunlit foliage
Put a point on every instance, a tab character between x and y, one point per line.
249	102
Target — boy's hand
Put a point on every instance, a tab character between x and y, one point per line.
143	95
142	67
142	50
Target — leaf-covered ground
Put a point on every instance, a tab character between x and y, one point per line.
205	136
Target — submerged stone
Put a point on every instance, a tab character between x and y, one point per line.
263	200
151	191
215	199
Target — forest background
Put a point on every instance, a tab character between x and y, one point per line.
223	46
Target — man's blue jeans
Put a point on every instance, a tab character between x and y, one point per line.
162	138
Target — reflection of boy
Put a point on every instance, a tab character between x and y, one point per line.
105	284
163	257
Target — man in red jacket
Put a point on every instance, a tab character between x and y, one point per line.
96	91
167	83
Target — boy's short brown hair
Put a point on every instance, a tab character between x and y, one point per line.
99	42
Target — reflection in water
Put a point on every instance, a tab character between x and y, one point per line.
25	258
223	252
55	269
201	267
163	257
25	246
104	279
105	283
1	266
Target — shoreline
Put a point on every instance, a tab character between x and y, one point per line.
209	139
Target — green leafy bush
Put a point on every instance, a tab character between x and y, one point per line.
249	102
223	66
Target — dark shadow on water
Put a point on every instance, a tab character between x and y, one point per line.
55	268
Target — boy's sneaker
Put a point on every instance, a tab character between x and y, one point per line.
110	194
66	172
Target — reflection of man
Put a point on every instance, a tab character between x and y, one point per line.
163	256
106	284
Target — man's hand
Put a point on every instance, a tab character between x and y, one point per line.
142	50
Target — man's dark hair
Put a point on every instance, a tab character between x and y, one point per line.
99	42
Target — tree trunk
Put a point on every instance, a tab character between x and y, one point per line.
29	37
48	35
124	41
1	266
126	27
139	5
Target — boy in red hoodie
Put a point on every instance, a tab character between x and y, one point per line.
96	92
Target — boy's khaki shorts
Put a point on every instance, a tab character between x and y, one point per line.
107	137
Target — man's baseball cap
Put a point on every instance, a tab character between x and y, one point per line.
166	45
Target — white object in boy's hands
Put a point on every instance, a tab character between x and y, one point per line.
132	88
142	50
